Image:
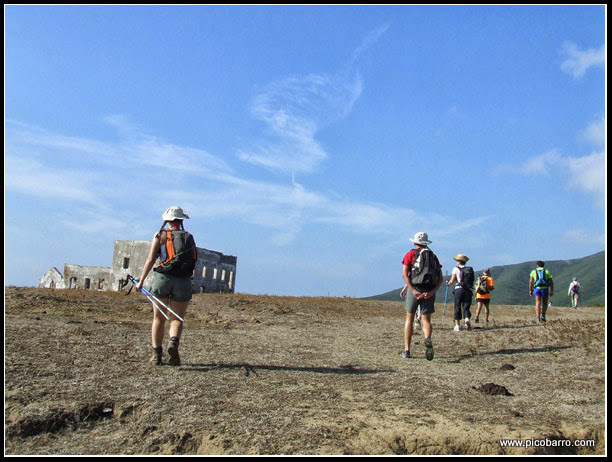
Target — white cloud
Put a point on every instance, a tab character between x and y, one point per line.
595	133
580	237
294	110
577	61
585	174
368	41
537	165
588	175
31	177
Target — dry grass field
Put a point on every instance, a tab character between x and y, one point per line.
290	375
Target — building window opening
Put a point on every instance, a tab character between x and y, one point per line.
126	263
87	283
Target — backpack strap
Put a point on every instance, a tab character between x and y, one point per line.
168	245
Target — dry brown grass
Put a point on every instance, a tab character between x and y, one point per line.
289	375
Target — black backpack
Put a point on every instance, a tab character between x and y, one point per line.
425	273
467	278
178	254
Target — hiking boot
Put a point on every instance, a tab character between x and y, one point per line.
175	359
468	325
406	354
537	319
429	351
457	328
156	359
543	318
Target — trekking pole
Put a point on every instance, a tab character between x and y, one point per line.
155	305
445	297
154	299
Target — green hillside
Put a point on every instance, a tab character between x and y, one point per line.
512	282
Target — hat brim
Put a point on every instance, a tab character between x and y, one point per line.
420	242
170	217
464	258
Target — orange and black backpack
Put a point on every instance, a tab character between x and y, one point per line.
177	253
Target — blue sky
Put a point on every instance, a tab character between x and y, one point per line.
312	142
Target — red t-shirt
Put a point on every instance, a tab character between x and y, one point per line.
409	260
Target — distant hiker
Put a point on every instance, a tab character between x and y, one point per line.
541	287
422	273
464	277
574	292
171	283
483	293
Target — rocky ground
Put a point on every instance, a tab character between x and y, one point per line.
290	375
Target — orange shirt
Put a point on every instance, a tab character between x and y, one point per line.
490	285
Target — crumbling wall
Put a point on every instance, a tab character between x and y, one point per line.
129	257
87	277
52	279
214	272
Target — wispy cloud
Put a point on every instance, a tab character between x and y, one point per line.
540	164
588	175
296	108
99	175
576	61
584	174
31	177
370	39
580	237
595	133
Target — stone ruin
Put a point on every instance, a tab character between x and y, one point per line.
214	271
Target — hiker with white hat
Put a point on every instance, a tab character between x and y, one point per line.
464	278
422	273
174	250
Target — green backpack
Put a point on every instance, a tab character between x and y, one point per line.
482	285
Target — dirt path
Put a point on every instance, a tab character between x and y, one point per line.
283	375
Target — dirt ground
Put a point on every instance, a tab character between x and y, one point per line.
290	375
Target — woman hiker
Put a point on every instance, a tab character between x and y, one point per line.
171	280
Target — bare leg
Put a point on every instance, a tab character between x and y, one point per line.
176	325
408	330
158	327
426	320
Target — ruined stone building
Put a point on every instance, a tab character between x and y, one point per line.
214	271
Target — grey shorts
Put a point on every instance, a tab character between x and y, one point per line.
167	286
427	306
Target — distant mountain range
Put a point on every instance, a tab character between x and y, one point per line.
512	282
